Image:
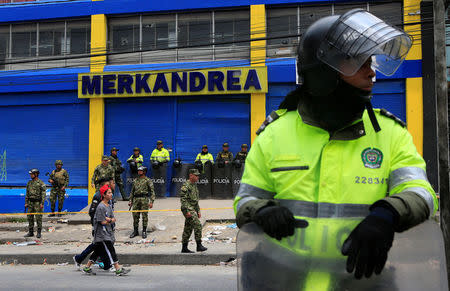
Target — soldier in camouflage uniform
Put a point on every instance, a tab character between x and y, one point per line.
141	197
242	155
118	170
104	171
225	155
34	201
59	178
191	211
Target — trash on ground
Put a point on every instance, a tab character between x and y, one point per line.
62	221
160	227
62	264
174	237
229	262
51	229
17	230
45	261
227	240
232	225
219	227
26	243
216	232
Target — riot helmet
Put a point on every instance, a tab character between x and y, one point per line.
342	44
177	163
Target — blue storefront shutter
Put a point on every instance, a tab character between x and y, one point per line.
34	135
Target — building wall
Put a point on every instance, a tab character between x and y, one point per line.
102	124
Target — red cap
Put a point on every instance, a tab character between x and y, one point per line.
103	190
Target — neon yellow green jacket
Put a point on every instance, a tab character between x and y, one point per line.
205	158
160	155
316	175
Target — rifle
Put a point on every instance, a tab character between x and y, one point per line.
55	183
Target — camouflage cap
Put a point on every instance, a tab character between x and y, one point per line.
159	142
115	149
194	172
244	145
105	158
226	145
204	146
58	162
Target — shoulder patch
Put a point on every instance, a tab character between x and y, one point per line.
390	115
274	115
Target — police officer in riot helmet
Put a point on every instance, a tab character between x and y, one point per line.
331	112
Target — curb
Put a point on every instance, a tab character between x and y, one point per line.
132	259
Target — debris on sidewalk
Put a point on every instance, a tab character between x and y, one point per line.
219	227
216	232
26	243
233	226
45	261
230	262
227	240
160	227
62	221
62	264
51	229
174	237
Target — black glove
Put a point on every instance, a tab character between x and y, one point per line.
368	244
276	221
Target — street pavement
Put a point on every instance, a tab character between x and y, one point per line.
63	237
141	277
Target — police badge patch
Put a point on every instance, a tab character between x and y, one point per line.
372	158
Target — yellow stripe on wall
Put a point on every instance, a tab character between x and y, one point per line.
257	58
96	106
414	93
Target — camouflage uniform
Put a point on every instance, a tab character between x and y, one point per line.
34	198
225	156
142	193
116	164
61	178
189	203
102	172
241	156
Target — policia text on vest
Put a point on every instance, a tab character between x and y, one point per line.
169	83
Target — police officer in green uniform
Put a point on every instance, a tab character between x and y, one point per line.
327	155
160	154
135	161
59	178
116	164
242	155
204	156
104	171
34	201
142	196
191	210
225	155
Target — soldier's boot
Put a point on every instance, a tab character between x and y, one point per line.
38	235
59	214
200	247
185	249
144	232
134	233
30	233
53	213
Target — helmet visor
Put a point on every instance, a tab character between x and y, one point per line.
358	35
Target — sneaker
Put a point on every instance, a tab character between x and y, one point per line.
88	271
112	269
99	265
77	265
122	271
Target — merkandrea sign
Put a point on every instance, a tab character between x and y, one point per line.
244	80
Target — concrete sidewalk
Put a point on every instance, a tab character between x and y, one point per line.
63	237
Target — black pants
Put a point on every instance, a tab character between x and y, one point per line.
105	250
